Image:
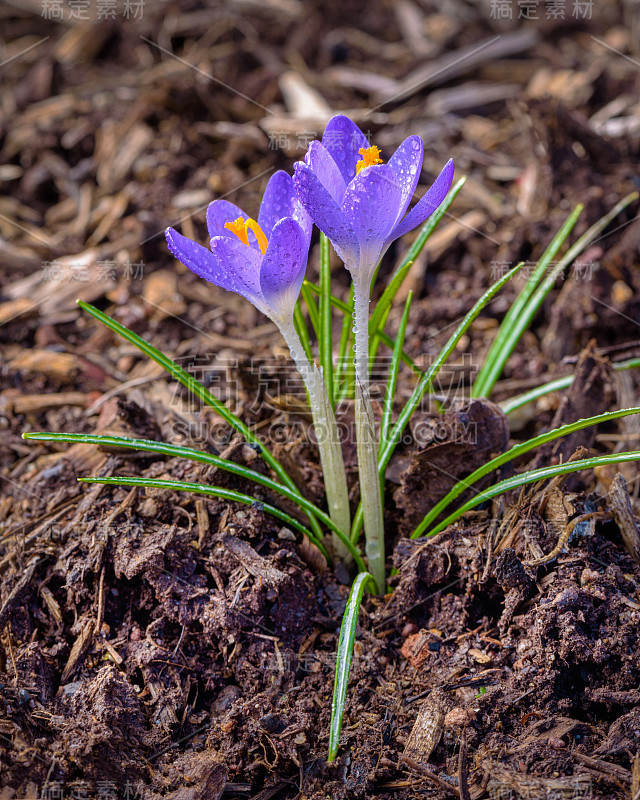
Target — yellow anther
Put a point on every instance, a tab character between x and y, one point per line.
370	156
263	242
240	226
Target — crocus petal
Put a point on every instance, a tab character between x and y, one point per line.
427	203
406	162
283	266
218	213
194	255
371	206
325	212
230	264
277	201
343	138
321	162
239	269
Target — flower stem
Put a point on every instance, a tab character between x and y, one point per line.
367	446
326	429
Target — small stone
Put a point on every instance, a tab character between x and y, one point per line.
227	697
588	576
556	743
409	629
566	599
459	717
621	293
148	507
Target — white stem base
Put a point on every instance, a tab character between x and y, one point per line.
367	445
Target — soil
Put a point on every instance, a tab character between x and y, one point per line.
153	644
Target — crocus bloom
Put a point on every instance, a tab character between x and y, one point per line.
358	201
262	260
265	261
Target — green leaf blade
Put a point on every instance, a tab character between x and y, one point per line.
344	655
531	477
212	491
515	452
201	392
325	341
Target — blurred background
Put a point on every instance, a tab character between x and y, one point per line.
119	118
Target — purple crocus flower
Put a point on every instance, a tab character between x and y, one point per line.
359	202
263	260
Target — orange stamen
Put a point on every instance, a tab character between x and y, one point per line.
240	226
370	156
263	242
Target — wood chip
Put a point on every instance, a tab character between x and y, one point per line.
623	514
427	729
303	101
12	309
463	60
254	563
78	650
160	291
202	515
615	770
14	594
52	604
37	403
60	366
112	652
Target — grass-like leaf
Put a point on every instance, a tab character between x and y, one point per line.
425	383
526	305
312	309
514	403
515	452
325	340
394	369
398	277
302	330
213	491
511	328
343	659
201	392
531	477
347	363
177	451
344	372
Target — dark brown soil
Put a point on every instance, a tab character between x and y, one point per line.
157	645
